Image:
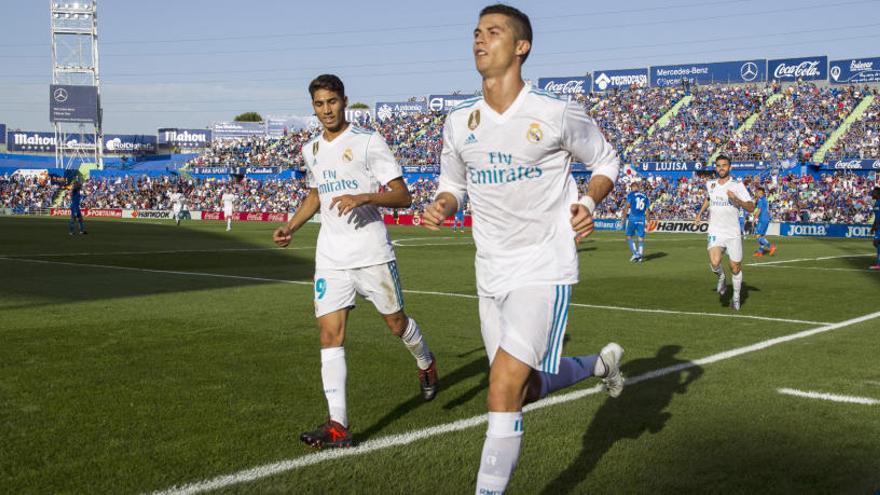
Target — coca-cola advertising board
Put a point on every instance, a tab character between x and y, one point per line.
566	86
798	69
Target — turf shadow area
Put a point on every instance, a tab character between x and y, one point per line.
39	262
636	412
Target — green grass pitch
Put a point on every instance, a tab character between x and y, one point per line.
126	368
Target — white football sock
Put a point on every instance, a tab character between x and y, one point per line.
228	223
737	283
333	374
500	451
413	340
717	270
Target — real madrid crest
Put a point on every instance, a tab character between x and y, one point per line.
474	119
347	155
315	148
535	134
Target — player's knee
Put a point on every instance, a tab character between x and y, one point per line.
735	268
332	334
397	323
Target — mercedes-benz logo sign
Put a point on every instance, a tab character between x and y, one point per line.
749	71
60	95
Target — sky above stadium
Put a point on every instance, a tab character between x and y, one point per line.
190	63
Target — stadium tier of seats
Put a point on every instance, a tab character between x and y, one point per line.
838	197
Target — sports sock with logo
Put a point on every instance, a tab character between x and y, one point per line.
632	247
641	248
571	370
413	340
500	452
333	374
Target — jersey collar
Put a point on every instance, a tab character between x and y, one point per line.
511	110
337	138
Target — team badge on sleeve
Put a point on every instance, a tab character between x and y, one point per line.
474	119
535	134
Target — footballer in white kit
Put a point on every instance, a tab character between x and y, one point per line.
510	151
347	166
725	197
228	199
177	205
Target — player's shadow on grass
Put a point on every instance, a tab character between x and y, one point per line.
639	410
743	296
655	256
478	366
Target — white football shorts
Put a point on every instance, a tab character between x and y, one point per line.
732	245
528	323
379	284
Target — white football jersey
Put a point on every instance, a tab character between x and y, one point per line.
228	199
516	170
177	199
723	215
357	161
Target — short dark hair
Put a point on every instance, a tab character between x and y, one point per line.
723	157
330	82
522	26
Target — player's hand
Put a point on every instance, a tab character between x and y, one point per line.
581	221
282	236
697	221
434	214
348	202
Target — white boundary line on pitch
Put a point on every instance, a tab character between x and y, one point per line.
829	397
164	251
469	241
821	258
819	268
284	466
410	291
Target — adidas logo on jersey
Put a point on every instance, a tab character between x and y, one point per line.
471	139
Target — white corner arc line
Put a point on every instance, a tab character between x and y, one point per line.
849	399
280	467
409	291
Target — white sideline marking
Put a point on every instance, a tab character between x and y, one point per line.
272	469
821	258
165	251
817	268
408	291
832	397
165	272
469	242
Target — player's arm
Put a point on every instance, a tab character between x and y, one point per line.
383	166
625	212
647	213
451	187
582	138
307	209
396	195
746	204
702	210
